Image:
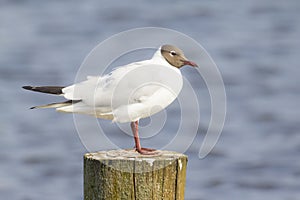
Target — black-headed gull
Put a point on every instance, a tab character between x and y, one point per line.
128	93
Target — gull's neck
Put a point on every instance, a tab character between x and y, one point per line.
159	59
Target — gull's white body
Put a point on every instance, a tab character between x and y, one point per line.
128	93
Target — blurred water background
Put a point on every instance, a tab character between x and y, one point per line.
254	43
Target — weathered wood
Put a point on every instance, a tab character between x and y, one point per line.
125	174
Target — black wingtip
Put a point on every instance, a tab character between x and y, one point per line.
27	87
34	107
45	89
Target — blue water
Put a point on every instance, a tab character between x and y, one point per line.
255	44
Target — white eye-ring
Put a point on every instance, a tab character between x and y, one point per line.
173	53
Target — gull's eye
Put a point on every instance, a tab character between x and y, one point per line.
173	53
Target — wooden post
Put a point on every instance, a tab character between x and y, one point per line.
125	174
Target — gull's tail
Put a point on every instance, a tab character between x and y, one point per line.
57	105
46	89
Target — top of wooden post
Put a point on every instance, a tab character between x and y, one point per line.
113	158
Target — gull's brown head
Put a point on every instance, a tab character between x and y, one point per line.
175	56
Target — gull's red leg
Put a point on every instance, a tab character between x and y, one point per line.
135	131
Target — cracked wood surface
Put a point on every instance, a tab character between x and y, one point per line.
125	174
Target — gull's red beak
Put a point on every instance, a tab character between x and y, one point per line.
187	62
